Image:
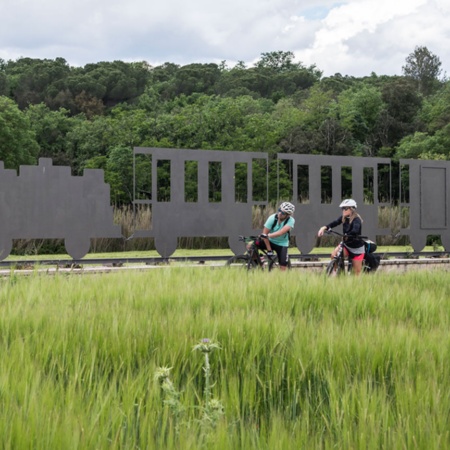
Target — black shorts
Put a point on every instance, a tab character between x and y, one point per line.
282	252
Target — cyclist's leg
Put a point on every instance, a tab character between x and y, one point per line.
356	262
282	254
335	251
259	245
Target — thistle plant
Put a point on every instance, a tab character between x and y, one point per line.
212	409
171	395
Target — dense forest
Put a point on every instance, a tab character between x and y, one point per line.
93	116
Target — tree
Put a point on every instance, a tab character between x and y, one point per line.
51	128
423	146
17	140
435	111
360	110
199	78
277	61
424	67
403	104
32	81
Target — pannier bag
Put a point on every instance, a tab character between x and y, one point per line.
370	246
373	261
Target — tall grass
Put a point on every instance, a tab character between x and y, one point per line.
305	361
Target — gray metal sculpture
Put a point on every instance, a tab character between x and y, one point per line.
429	201
46	201
315	211
174	218
179	218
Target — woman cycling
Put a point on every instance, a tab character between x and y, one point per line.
352	227
276	233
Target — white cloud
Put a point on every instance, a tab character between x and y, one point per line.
352	37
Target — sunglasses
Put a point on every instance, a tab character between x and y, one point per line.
346	208
282	212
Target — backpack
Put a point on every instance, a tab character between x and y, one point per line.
275	220
369	246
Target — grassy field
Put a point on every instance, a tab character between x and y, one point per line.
108	361
382	249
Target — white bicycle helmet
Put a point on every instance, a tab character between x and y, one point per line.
348	203
287	208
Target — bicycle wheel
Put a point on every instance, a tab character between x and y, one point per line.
335	267
243	262
331	267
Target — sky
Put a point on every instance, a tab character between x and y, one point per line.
350	37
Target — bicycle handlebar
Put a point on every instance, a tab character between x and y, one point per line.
346	235
244	238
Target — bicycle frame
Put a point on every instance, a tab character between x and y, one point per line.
337	264
254	257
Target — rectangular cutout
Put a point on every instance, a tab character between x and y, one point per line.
163	180
384	183
404	183
346	182
369	187
240	182
191	181
259	180
214	181
142	177
303	183
326	190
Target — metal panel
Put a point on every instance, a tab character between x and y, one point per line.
47	202
429	196
177	218
311	216
433	198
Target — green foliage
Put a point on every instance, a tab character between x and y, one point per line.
51	129
119	174
78	116
435	112
360	110
17	139
424	68
425	146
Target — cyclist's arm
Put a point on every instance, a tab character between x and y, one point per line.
331	225
279	232
266	232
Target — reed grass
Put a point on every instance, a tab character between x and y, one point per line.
304	361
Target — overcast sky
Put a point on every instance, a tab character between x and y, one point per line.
351	37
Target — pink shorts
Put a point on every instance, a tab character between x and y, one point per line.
359	257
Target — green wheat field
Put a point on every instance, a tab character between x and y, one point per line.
192	358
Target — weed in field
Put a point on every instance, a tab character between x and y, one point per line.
211	409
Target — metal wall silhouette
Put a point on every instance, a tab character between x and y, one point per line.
46	201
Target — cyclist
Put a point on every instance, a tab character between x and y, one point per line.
276	233
352	227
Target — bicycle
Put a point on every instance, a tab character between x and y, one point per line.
254	257
337	265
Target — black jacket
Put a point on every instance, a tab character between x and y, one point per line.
351	230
